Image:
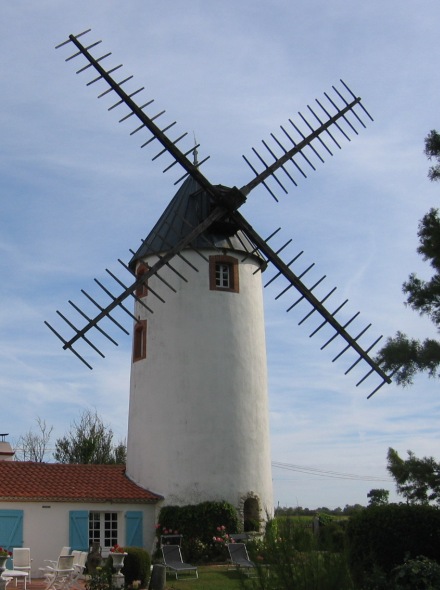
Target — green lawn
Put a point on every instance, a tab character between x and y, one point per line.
215	577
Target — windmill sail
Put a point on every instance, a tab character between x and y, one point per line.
336	119
342	122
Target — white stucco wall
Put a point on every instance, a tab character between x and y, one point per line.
46	526
198	417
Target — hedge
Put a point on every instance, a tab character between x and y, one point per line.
198	524
382	537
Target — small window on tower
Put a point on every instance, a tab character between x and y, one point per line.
223	273
140	341
142	288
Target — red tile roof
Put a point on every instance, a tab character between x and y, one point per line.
57	482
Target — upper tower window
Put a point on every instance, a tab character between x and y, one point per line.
223	274
141	289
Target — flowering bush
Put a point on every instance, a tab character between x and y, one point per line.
196	526
100	579
160	530
117	549
5	552
196	549
223	538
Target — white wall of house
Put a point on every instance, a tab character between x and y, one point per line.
46	526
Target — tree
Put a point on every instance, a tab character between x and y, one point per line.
378	497
33	446
417	480
408	356
349	509
89	441
432	150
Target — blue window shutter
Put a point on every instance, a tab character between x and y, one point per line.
11	530
79	530
133	528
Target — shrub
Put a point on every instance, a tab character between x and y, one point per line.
292	553
332	535
100	578
420	573
251	524
198	524
136	566
381	537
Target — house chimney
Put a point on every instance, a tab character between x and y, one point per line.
6	452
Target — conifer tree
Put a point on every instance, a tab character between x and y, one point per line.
409	356
417	480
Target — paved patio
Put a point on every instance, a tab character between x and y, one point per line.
40	584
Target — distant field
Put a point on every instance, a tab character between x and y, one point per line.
309	519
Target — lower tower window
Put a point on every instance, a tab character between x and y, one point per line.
140	340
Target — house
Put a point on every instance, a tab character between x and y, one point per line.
46	506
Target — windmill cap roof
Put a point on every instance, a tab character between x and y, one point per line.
188	208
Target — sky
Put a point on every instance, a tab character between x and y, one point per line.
77	194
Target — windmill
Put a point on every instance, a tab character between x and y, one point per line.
199	350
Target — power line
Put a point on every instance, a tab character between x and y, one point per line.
327	473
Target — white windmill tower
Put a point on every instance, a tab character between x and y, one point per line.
198	425
198	396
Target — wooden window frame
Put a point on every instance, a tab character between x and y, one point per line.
140	340
142	289
103	528
232	263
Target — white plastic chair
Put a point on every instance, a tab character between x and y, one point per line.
21	559
76	555
79	565
60	576
53	562
6	579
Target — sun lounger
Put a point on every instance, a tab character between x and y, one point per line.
173	561
239	556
